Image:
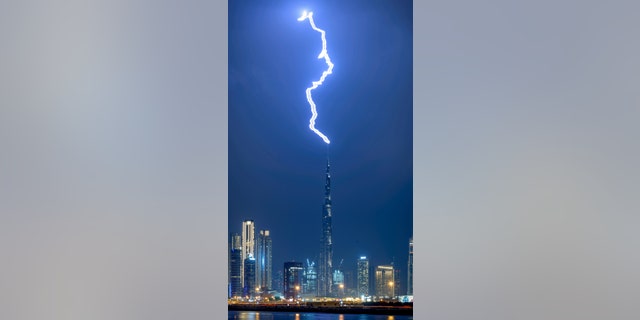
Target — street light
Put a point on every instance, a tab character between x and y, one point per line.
297	292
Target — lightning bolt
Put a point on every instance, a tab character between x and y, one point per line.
316	84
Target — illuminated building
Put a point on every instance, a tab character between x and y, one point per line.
292	279
325	268
249	276
396	278
278	281
338	283
385	284
263	260
310	279
248	242
235	266
363	277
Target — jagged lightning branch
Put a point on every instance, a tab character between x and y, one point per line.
323	54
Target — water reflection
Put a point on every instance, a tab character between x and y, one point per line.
252	315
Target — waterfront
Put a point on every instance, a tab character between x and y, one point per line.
254	315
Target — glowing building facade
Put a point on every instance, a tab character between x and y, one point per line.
310	279
363	277
292	280
325	268
385	283
248	243
235	266
263	260
249	288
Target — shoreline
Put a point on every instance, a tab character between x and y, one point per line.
381	310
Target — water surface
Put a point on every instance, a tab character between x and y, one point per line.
260	315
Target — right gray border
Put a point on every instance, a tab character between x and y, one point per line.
525	160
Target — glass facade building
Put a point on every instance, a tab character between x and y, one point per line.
235	267
264	260
248	243
249	288
385	283
310	279
363	277
325	263
292	279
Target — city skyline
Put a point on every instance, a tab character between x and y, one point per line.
365	283
276	164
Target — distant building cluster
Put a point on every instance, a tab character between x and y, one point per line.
251	277
251	273
250	262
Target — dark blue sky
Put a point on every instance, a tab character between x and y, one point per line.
277	165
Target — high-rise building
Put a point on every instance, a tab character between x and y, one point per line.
338	283
248	242
325	268
384	281
292	279
397	287
278	281
235	266
249	276
410	269
349	283
363	277
396	278
310	279
263	260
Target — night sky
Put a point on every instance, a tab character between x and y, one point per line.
277	164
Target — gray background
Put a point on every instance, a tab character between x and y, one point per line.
526	159
113	160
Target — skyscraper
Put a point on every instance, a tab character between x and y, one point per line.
235	266
410	269
396	280
338	283
248	242
263	260
384	281
349	283
292	279
326	250
363	277
278	281
249	276
310	279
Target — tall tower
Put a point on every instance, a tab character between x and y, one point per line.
248	243
326	250
235	266
249	288
263	263
363	277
